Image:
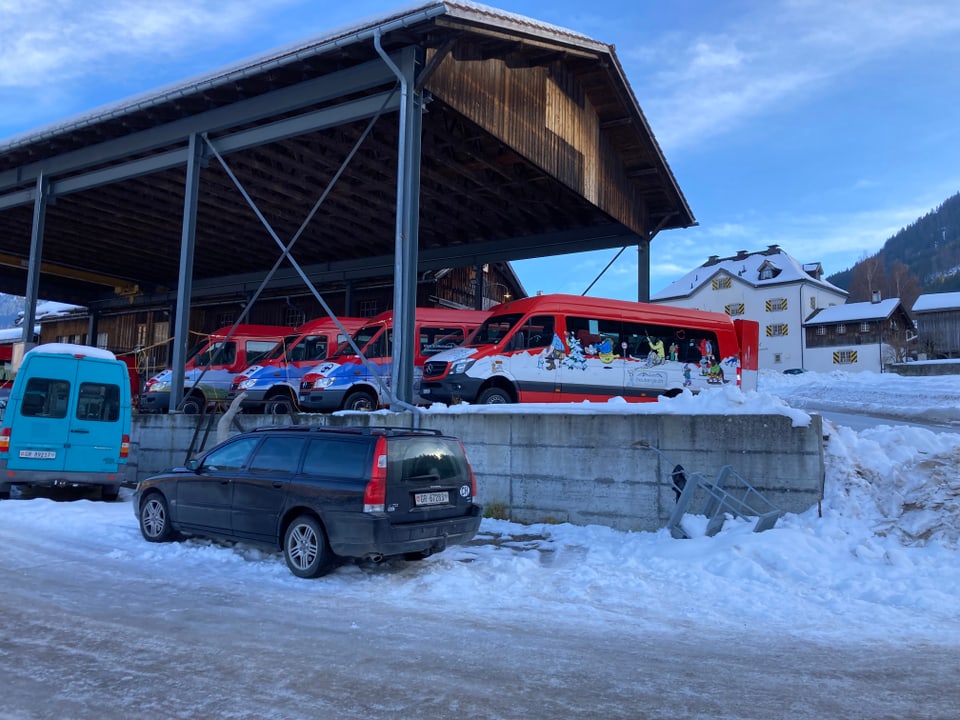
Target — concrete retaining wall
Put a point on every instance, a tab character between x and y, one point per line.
923	368
582	469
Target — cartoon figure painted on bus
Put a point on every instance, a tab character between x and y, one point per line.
673	352
687	372
715	374
551	354
605	351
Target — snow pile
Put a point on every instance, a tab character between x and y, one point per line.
901	481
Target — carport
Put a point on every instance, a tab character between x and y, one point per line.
441	135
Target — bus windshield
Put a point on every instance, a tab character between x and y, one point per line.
360	338
494	329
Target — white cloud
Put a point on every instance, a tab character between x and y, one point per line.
44	42
780	54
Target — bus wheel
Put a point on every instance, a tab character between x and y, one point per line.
278	406
360	400
192	405
494	396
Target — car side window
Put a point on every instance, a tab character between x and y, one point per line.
278	455
232	456
337	458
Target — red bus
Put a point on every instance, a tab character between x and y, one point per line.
569	348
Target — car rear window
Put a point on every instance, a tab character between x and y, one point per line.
334	457
419	458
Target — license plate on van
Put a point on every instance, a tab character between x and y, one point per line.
38	454
432	498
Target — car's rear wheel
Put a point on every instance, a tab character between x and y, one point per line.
360	400
305	548
155	519
494	396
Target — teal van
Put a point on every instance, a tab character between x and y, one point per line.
67	421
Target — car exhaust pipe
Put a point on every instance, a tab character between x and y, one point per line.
375	558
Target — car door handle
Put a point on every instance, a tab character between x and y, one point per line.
76	430
278	484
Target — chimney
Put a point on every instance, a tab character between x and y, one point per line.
741	254
875	298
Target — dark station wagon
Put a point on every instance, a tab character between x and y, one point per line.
319	494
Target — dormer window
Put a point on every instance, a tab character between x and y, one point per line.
768	271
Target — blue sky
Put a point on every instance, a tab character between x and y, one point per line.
818	125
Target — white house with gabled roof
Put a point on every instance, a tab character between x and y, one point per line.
768	286
858	336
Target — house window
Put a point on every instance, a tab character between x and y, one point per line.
841	329
225	319
734	309
864	327
722	283
766	273
845	357
813	303
777	358
368	308
821	329
777	330
776	304
103	340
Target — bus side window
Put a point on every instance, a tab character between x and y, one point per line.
539	331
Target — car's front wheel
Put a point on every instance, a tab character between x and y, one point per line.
155	519
305	548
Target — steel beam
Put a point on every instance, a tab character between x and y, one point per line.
188	237
296	97
36	257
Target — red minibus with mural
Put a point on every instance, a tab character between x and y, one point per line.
569	348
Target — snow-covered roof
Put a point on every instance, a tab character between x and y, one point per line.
745	267
937	301
854	312
48	309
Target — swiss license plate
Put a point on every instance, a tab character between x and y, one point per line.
38	454
431	498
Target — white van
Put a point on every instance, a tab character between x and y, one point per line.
67	421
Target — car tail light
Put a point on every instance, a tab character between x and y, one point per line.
375	494
124	447
5	440
473	478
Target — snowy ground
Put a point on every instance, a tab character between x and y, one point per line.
873	573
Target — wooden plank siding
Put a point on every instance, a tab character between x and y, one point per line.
542	114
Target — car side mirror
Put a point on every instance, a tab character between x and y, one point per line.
193	464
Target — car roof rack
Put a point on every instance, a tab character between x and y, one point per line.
349	429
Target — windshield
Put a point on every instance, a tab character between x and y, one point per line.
361	337
494	329
279	351
217	353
